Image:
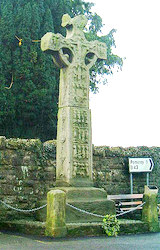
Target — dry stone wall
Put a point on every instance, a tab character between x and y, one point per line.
27	172
111	169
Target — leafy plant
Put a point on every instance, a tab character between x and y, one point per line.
111	225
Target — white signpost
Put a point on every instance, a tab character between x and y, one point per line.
139	165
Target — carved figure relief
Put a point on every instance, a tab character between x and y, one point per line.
80	135
80	88
80	118
80	152
80	169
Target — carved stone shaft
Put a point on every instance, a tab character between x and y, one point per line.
74	55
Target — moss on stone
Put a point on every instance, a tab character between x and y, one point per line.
49	149
149	212
55	223
2	142
25	144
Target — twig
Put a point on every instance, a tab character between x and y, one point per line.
10	84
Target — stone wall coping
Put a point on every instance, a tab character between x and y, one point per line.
139	151
17	143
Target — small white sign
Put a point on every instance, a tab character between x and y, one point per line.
140	165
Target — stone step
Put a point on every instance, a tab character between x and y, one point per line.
96	206
74	229
83	192
79	200
95	229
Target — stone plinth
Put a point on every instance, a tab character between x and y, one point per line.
91	199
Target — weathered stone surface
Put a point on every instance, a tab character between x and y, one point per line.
91	199
75	56
56	206
73	229
24	226
2	142
25	144
149	211
25	176
95	229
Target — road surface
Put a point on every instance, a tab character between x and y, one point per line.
13	241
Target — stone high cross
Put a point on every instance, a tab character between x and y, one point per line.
74	55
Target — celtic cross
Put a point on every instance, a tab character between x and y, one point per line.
74	55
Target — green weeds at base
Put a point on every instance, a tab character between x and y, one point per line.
111	225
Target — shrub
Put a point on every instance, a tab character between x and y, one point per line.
111	225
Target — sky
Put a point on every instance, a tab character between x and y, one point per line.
125	112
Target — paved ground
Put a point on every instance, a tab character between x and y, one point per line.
12	241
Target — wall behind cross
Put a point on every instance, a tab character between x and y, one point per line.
28	170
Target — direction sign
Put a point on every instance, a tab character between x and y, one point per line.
137	165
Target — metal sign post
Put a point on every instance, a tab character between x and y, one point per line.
131	182
147	179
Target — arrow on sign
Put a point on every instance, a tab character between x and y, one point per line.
151	167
